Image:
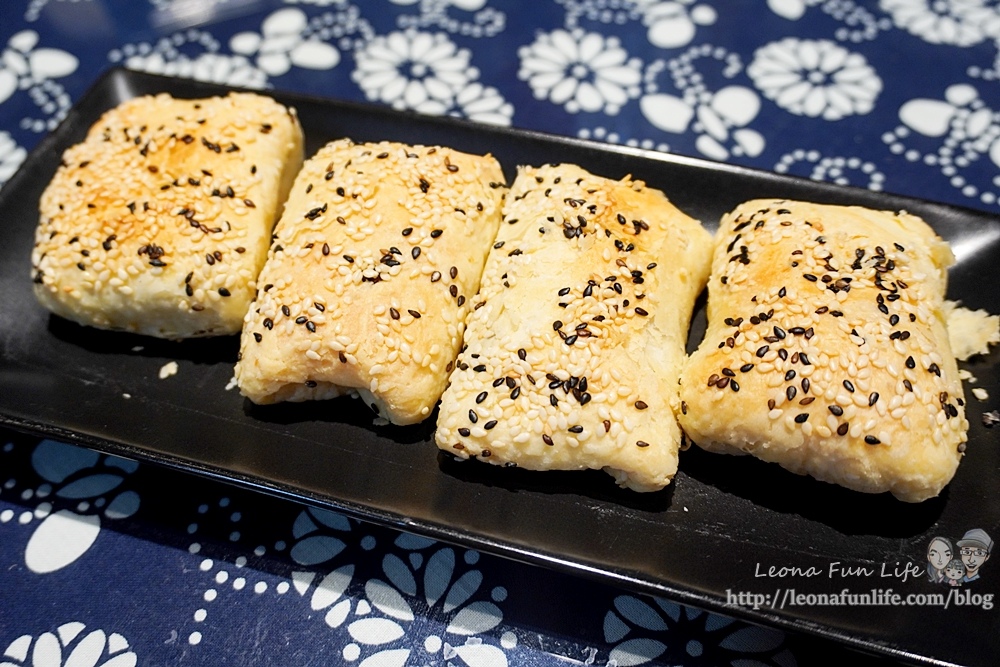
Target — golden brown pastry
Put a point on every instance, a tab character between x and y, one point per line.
158	222
826	350
368	283
577	335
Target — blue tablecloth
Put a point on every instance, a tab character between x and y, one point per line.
108	562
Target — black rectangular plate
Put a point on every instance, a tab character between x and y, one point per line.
706	534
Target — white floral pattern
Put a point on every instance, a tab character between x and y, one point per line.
280	45
414	70
637	627
473	17
959	22
673	24
483	104
815	78
426	583
580	71
70	646
669	23
858	23
80	490
200	60
25	66
835	169
951	134
11	157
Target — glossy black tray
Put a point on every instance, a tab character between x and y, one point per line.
720	524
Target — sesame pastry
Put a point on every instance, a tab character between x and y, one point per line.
826	350
370	278
159	221
577	335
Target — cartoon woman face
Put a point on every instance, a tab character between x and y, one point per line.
939	553
955	570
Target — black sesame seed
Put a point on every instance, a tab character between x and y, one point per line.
415	252
575	429
301	319
311	326
745	368
801	417
641	311
871	440
790	375
547	439
849	386
257	337
223	291
842	429
464	432
790	393
473	417
910	363
762	350
641	443
286	311
436	233
570	339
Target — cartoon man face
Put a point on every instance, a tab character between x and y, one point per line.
939	553
974	558
974	548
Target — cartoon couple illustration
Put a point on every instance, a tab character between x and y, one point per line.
943	567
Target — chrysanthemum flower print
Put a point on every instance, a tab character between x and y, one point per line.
582	71
815	78
413	70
